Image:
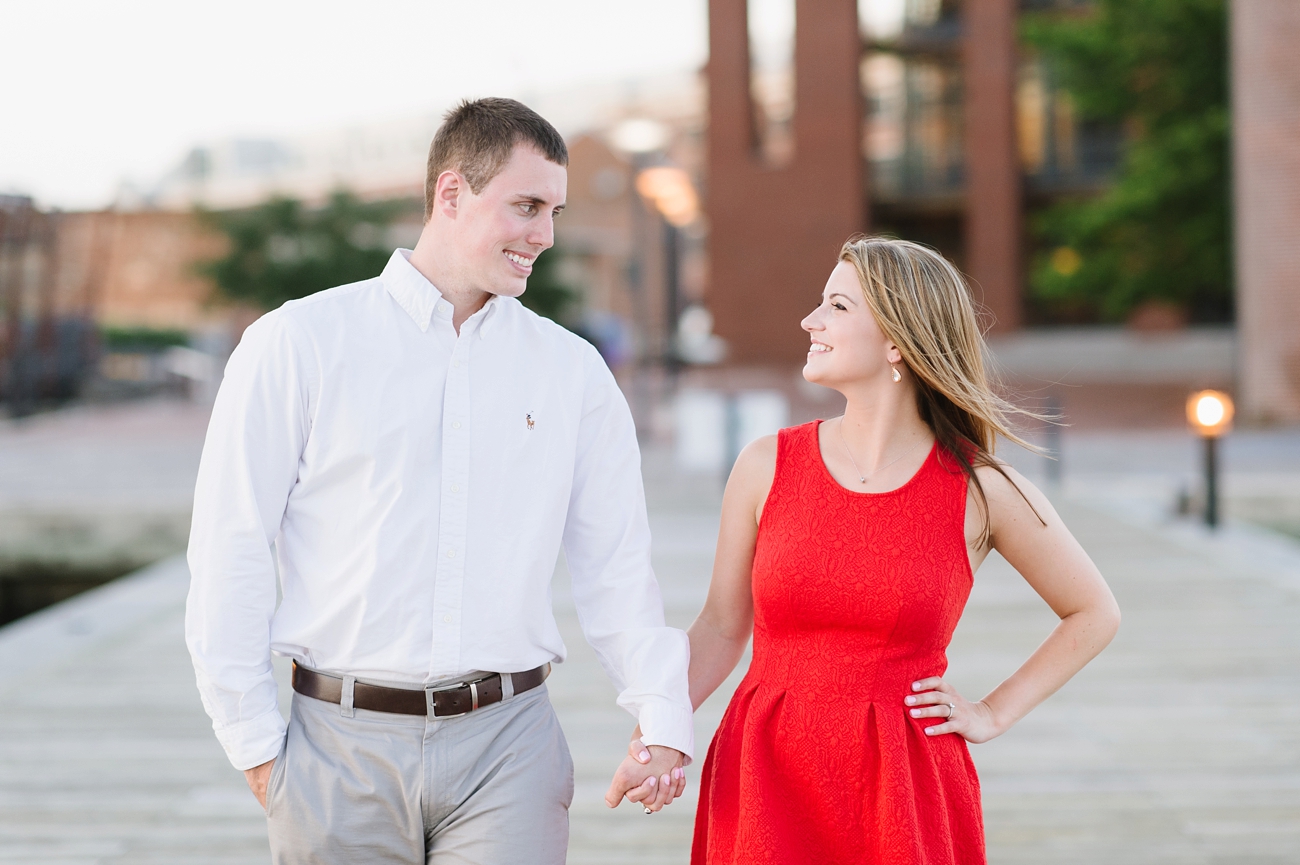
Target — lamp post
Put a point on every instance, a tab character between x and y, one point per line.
671	192
1210	414
639	139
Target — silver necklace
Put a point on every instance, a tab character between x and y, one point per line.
861	477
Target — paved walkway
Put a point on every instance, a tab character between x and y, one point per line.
1180	745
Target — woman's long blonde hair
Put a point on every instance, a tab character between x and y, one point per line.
923	306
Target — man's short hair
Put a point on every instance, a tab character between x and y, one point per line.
477	137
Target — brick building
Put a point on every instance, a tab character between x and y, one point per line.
1266	127
939	132
946	132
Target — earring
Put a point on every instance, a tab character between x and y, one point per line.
898	376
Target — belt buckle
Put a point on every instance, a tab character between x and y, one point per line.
473	692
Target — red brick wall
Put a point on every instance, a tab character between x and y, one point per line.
774	233
992	167
1266	138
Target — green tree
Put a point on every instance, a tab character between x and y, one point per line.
1162	230
282	250
548	293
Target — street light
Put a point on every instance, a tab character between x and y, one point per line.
1210	414
640	139
670	190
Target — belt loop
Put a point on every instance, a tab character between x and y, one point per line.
345	699
507	686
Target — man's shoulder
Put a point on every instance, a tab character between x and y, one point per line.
321	313
331	301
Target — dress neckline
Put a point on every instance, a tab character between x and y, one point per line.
826	473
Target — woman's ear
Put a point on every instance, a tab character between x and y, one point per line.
892	354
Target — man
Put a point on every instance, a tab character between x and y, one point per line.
417	447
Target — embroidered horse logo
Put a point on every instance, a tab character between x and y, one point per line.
529	418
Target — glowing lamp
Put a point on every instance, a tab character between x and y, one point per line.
1210	413
672	193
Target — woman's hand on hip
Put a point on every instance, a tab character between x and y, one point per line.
935	698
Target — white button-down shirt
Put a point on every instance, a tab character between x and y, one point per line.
417	486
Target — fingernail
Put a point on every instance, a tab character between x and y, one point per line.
666	780
929	731
651	781
644	756
915	713
909	700
916	686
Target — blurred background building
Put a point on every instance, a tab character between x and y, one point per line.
706	210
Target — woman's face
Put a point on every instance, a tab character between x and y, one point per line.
848	346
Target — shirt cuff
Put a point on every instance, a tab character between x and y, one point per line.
253	742
669	725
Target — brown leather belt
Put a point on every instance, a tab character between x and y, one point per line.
458	699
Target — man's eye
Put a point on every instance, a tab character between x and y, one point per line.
528	208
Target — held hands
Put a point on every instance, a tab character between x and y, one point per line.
650	775
257	778
932	698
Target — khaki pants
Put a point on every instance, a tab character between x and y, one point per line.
489	788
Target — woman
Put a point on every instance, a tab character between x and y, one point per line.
848	547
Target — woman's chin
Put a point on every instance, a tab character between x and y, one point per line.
812	374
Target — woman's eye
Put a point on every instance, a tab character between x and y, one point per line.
839	306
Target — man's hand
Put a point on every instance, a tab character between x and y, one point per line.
257	778
652	776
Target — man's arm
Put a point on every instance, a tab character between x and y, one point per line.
607	546
250	463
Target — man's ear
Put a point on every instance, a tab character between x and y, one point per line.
447	193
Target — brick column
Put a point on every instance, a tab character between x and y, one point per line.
993	207
774	233
1266	170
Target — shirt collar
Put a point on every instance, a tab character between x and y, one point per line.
422	300
411	290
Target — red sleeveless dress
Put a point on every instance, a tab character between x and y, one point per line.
856	596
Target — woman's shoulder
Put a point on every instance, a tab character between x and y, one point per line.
759	461
763	453
1011	496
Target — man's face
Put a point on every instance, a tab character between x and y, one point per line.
502	230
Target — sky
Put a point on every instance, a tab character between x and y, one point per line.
101	91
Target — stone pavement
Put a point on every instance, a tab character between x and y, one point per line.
1181	744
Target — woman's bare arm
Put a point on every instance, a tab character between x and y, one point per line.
1056	566
722	630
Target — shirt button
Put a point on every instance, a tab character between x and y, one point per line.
442	307
456	364
447	619
455	424
455	488
451	554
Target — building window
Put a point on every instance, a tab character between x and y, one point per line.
771	78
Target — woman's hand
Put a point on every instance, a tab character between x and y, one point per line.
935	698
655	791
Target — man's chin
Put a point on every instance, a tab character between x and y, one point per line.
512	288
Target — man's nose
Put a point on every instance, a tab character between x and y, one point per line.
542	233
